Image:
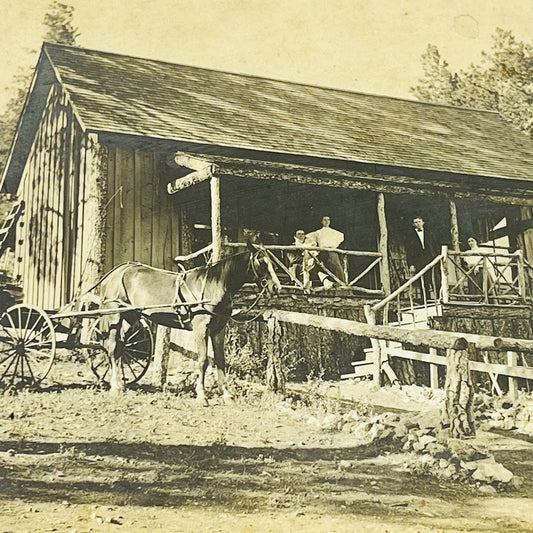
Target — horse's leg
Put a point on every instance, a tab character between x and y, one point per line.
201	337
114	352
218	352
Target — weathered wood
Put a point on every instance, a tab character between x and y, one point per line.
144	169
189	180
454	226
161	356
383	245
124	213
216	225
433	371
376	347
526	236
112	199
512	360
183	159
275	373
476	188
485	311
515	345
444	285
436	339
458	413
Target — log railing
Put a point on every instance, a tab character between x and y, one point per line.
361	268
488	277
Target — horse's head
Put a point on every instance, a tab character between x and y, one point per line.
263	270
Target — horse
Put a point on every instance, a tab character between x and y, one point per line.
199	300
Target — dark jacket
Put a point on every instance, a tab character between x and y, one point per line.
418	255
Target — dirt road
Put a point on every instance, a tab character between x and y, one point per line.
78	460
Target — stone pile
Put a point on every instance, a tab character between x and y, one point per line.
430	448
505	413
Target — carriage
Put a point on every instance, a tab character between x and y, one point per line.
30	338
113	323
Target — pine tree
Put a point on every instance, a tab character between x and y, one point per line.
502	81
60	29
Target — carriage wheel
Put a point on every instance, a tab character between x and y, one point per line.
136	355
27	346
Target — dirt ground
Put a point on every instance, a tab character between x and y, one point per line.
77	459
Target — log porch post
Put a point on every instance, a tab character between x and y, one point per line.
383	244
216	226
454	226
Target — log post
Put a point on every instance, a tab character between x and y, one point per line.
526	237
94	222
376	346
454	227
512	360
444	284
161	356
216	225
522	285
275	375
458	411
383	245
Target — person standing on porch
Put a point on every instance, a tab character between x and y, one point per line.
327	237
421	249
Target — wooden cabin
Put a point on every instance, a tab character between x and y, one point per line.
119	158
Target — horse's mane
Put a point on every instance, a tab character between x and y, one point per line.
232	269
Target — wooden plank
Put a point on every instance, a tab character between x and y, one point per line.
495	368
112	202
124	217
144	171
158	214
512	361
137	193
433	371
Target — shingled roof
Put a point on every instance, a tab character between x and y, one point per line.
130	95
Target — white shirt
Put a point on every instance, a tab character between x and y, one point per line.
327	237
420	234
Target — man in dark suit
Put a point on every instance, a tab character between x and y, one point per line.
421	248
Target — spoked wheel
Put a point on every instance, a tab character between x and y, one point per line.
136	355
27	346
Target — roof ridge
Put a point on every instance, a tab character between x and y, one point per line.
256	76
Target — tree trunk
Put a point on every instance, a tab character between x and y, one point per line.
458	413
275	375
161	355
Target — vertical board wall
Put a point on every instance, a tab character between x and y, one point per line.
143	222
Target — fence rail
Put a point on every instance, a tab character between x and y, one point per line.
358	265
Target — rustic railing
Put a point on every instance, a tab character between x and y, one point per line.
353	274
487	277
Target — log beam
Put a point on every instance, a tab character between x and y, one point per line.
420	337
190	179
476	187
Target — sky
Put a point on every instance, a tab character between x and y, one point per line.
371	46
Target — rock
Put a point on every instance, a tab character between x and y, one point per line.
427	439
438	450
344	465
331	422
490	471
488	490
429	419
465	451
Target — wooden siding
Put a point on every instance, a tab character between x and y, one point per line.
58	247
42	233
143	221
